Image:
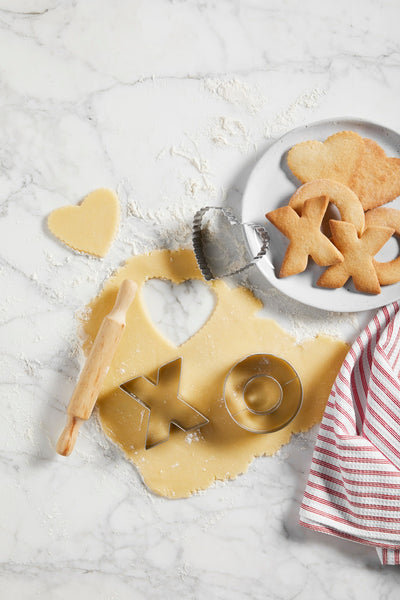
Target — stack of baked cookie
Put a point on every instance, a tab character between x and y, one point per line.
355	175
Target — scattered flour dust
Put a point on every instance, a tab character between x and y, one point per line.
285	119
195	159
193	436
251	100
170	226
231	133
237	92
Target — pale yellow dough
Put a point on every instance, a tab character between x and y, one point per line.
220	450
89	227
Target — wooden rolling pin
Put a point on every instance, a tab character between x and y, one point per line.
96	367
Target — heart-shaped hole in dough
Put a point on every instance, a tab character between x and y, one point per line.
178	311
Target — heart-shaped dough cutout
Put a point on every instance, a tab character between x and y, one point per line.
337	158
178	311
89	227
377	179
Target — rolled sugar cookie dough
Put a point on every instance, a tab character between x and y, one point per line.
221	450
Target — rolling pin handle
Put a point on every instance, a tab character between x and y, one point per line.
67	439
126	294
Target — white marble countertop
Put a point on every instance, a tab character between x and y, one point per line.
171	103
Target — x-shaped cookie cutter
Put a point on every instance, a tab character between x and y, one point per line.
163	403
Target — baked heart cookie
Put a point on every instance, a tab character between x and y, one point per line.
337	158
89	227
376	180
305	235
346	157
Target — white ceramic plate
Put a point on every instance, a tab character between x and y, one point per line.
271	184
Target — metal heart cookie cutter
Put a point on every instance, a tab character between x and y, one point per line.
263	393
219	242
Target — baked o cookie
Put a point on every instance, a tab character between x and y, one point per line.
388	272
341	196
305	235
358	253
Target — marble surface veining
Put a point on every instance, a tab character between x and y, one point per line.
171	103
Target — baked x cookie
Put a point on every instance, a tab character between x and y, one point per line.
358	253
305	235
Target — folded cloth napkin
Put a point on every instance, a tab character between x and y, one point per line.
353	489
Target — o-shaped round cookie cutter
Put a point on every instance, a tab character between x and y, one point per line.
263	393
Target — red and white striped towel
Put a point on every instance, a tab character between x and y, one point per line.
353	489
